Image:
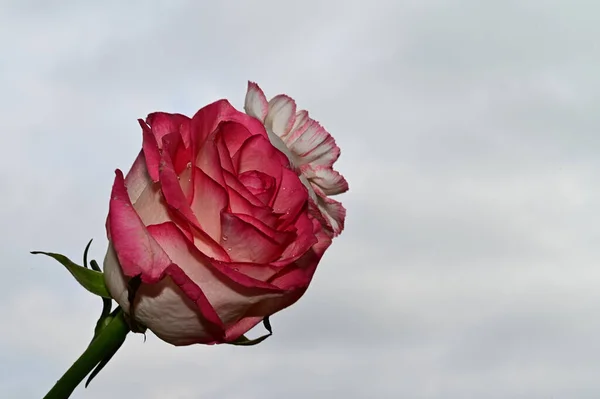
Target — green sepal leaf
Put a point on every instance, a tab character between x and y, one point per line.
91	280
243	341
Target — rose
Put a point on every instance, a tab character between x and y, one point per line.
219	227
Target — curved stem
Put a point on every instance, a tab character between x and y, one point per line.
108	341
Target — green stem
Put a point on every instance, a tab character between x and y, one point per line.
108	341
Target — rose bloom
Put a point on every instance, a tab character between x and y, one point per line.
223	218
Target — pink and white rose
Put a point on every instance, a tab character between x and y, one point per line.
223	218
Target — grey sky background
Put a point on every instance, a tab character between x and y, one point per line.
470	138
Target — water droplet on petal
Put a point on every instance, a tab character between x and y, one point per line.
228	248
236	269
224	238
189	165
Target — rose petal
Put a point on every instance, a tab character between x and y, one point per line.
137	178
222	294
187	271
137	252
304	239
151	151
224	154
209	162
262	186
257	153
151	206
233	183
162	123
176	199
245	243
180	155
294	279
207	119
256	104
239	204
282	238
210	199
291	196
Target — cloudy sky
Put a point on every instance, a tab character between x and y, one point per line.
470	264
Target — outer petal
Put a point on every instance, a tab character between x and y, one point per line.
151	151
294	279
162	123
219	301
137	178
137	252
256	103
184	323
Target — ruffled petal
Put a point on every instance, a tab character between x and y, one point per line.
281	116
334	213
256	103
326	181
312	144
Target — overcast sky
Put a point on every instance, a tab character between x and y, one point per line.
470	135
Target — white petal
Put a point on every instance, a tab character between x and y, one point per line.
313	145
334	212
329	181
282	114
256	103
